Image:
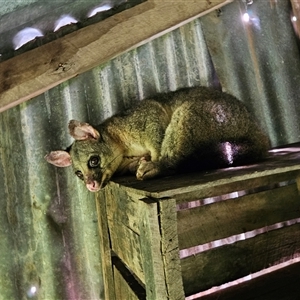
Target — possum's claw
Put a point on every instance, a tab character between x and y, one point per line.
146	169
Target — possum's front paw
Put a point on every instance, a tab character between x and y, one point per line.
146	169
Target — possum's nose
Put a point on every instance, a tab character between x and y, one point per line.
93	186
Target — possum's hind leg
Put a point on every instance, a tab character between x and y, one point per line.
177	144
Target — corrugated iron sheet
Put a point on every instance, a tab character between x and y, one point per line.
48	233
259	63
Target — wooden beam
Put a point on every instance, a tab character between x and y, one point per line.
34	72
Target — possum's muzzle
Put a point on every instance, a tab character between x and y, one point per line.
96	185
93	185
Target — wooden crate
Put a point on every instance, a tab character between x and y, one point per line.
172	237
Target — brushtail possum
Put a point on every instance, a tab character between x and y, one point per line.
193	128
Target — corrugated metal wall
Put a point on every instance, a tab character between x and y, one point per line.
259	63
48	233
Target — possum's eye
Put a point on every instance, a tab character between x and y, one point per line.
79	174
94	161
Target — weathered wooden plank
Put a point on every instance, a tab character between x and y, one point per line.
126	285
105	251
170	249
245	182
124	218
196	186
122	289
230	262
219	220
126	244
277	168
151	248
281	284
32	73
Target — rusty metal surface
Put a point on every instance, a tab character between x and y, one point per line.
48	233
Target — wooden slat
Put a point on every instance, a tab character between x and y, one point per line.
170	249
122	289
219	220
123	215
196	186
105	251
32	73
126	285
183	187
126	244
238	182
151	248
281	284
230	262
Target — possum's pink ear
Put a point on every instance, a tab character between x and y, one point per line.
82	131
59	158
